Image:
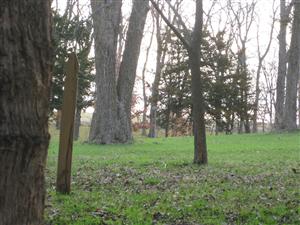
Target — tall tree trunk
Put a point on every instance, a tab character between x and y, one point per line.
160	56
290	109
145	98
25	68
200	149
77	124
128	67
106	17
282	67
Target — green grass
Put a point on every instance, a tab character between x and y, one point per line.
250	179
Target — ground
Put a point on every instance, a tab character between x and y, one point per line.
250	179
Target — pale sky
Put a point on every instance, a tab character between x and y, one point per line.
263	18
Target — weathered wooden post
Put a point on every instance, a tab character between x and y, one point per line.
63	181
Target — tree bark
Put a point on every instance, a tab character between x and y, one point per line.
128	67
25	68
282	67
200	149
290	107
106	17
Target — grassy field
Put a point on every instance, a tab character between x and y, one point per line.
250	179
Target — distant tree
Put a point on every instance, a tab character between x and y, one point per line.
192	43
25	68
261	58
285	11
290	107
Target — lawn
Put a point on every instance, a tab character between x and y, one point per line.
250	179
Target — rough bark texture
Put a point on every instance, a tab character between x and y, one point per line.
282	67
290	107
106	17
128	67
200	149
111	122
25	68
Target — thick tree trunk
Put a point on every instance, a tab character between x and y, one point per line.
200	149
25	68
106	17
290	109
282	67
111	121
77	124
128	67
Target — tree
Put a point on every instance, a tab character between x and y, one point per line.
261	57
192	43
111	122
282	64
243	16
73	33
290	107
25	68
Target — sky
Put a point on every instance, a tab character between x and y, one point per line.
263	20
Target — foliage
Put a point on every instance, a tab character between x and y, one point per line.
69	35
225	85
251	179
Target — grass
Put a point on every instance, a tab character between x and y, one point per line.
250	179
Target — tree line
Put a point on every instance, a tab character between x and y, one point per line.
199	77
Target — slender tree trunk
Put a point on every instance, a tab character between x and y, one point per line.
290	109
145	99
257	93
25	68
155	85
128	67
77	124
299	102
106	17
200	149
282	67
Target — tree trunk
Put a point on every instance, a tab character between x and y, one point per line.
290	109
111	121
145	98
77	124
106	17
280	87
128	67
200	149
160	58
25	68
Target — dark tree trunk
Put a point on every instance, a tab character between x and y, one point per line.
290	109
200	149
106	18
128	67
77	124
282	67
25	70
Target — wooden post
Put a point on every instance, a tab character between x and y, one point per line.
63	181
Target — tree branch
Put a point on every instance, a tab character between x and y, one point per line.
173	28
